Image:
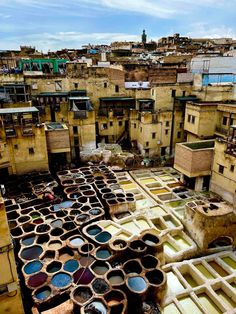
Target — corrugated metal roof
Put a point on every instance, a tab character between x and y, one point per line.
18	110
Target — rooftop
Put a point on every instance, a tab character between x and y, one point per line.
18	110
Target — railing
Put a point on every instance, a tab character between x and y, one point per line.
221	130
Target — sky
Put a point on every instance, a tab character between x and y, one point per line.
56	24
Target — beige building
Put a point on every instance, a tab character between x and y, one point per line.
22	141
223	180
10	294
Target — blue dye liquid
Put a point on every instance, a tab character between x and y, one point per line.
65	204
31	252
32	267
43	293
28	241
137	284
103	254
93	230
103	237
61	280
71	265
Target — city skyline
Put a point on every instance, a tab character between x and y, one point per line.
52	25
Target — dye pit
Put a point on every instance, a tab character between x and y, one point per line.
119	243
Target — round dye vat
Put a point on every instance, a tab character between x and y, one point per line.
137	284
76	242
95	211
54	245
82	294
93	230
97	307
31	253
100	268
61	280
103	237
56	223
71	265
83	276
100	286
28	241
53	267
66	204
43	293
37	280
103	254
32	267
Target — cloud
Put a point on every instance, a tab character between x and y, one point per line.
55	41
204	30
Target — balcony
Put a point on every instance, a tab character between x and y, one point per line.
221	131
27	131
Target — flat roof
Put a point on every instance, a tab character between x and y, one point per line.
79	98
186	98
116	98
18	110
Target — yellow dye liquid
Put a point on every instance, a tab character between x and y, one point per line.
170	223
218	268
124	235
173	284
208	304
189	306
145	181
190	280
226	299
229	261
112	229
169	249
159	191
143	224
171	309
181	241
204	271
131	227
158	211
180	212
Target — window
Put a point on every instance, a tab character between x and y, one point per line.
147	151
135	125
104	126
181	125
147	143
163	151
221	169
173	93
153	136
120	123
111	123
76	141
75	130
141	129
15	146
184	92
105	85
76	85
167	123
179	134
232	168
166	131
225	120
231	121
189	118
152	92
34	85
31	150
117	88
193	119
58	85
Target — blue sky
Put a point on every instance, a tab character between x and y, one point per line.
57	24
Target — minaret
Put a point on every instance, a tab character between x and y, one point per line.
144	37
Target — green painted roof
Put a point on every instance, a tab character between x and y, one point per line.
54	94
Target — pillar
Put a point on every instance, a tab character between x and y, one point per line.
198	184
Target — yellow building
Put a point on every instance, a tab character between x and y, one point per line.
22	141
223	180
10	295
